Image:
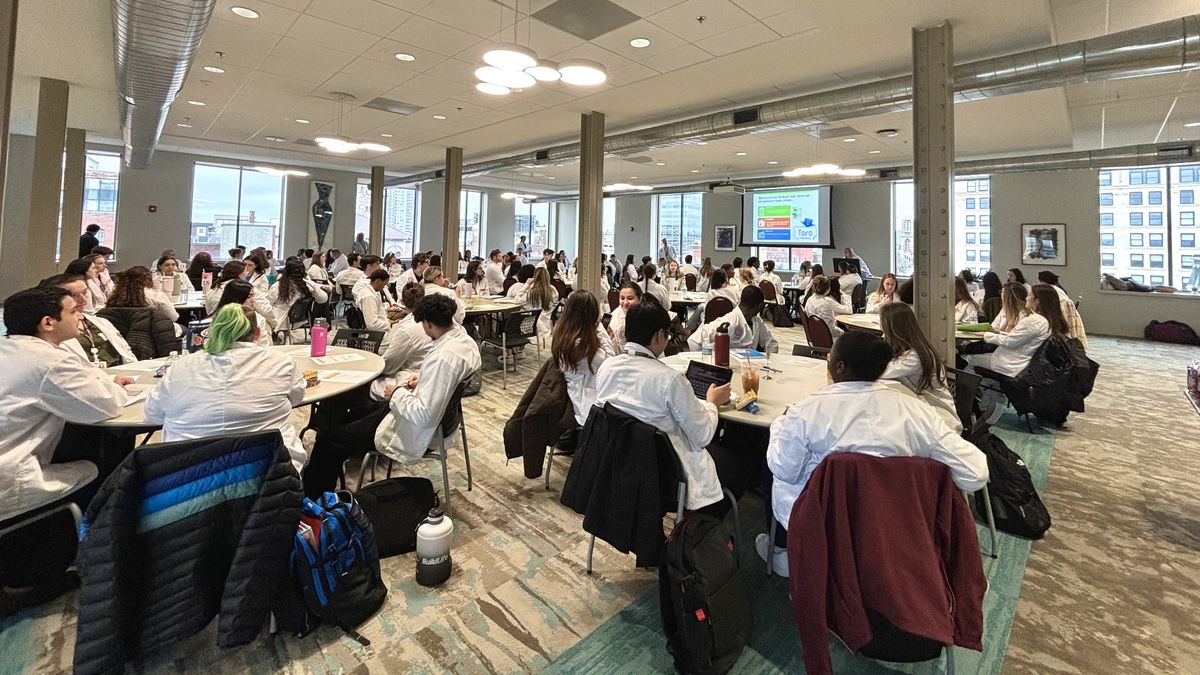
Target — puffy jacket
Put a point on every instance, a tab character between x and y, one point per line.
542	416
179	533
150	334
1055	383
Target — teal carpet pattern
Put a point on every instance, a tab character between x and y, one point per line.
632	641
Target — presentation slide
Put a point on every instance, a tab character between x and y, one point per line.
791	217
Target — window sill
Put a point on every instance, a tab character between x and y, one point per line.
1152	294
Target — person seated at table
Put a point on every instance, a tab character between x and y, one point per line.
673	277
823	305
393	266
882	296
804	277
168	268
972	283
1069	311
848	280
768	275
314	268
201	262
474	283
554	271
135	288
752	265
1010	313
98	341
579	346
747	330
629	295
239	292
88	267
905	292
407	346
1024	327
374	304
704	275
369	264
630	272
638	384
537	293
415	273
232	386
351	274
718	286
966	310
230	271
915	363
43	386
687	267
1015	275
435	281
989	298
856	414
547	256
103	277
649	285
731	276
746	277
493	272
257	273
293	286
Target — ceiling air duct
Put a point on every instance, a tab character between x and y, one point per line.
154	43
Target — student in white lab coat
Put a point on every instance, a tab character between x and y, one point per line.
474	282
966	310
239	292
915	363
856	414
630	273
256	274
88	267
493	272
687	267
534	291
415	273
752	265
770	276
292	285
884	295
42	386
719	286
629	295
747	330
369	264
350	274
232	386
315	270
704	275
848	280
407	346
374	304
230	271
437	283
1023	331
579	346
649	285
821	304
98	340
168	268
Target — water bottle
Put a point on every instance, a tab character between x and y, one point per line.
320	336
433	548
721	346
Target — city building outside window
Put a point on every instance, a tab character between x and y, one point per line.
533	221
1168	247
101	180
679	220
472	207
231	206
399	221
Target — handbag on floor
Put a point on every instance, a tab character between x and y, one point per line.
396	507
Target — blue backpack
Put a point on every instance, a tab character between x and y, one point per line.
335	562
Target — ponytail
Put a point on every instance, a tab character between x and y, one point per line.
231	324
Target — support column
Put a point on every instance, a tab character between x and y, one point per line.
46	178
8	46
375	230
591	204
450	205
72	197
933	176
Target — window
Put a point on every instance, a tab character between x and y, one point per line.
1156	218
979	201
533	222
1189	174
1173	216
985	237
1187	240
1135	177
1140	278
1107	239
985	185
1107	260
1152	177
970	186
985	256
1156	260
1105	179
1156	280
1106	219
1156	240
1137	260
1106	199
362	210
679	222
970	255
1135	199
970	202
903	236
970	237
1187	197
102	174
1154	197
1187	218
232	206
985	221
985	202
472	205
970	221
1137	239
399	221
608	226
1135	218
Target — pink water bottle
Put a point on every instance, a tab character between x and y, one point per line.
320	336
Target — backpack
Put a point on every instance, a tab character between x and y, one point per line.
1172	331
781	317
336	564
396	507
706	613
1016	506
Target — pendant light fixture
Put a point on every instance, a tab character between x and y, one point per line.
512	66
340	144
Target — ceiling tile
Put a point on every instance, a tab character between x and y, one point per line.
304	60
271	18
661	40
385	50
542	38
549	95
433	36
241	44
424	90
478	17
592	52
762	9
365	15
647	7
455	70
742	37
363	89
263	84
378	70
679	57
720	16
792	22
411	6
336	36
629	74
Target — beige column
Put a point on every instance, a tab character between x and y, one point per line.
375	234
450	206
46	178
591	203
8	45
933	176
72	197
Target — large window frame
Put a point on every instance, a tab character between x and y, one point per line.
534	221
970	227
400	209
608	226
1165	210
472	221
679	218
101	192
246	229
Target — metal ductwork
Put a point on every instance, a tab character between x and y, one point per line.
154	43
1167	47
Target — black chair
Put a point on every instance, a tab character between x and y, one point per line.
354	318
346	299
858	298
517	330
299	317
717	308
965	386
366	340
689	282
817	332
811	352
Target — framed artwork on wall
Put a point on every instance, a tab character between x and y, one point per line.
1043	243
322	195
725	237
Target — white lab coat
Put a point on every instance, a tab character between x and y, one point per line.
687	268
1015	348
877	301
666	253
616	323
407	347
320	276
181	284
581	377
336	265
493	273
868	418
520	291
247	389
395	270
460	313
280	306
827	309
727	291
469	290
965	312
703	282
776	282
906	369
742	335
104	327
41	387
640	385
348	277
363	285
374	311
847	283
632	272
261	284
413	416
659	292
95	299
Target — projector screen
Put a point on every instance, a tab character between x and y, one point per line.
788	217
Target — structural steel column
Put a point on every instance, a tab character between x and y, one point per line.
8	46
375	230
46	178
591	205
72	197
450	222
933	176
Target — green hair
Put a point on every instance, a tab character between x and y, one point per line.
231	324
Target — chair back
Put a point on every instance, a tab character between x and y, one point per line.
354	318
817	332
366	340
452	416
716	308
522	324
508	283
989	309
810	352
300	314
689	281
858	298
347	292
768	291
614	299
672	478
556	311
561	286
966	387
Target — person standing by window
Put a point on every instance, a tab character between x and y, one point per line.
360	245
88	240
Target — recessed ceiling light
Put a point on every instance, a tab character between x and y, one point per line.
849	140
276	139
639	43
244	12
888	133
439	117
196	103
633	178
1192	124
386	135
772	162
300	121
181	124
401	56
552	177
873	152
214	69
660	164
740	154
695	170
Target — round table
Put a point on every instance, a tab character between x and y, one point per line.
870	322
190	300
688	298
801	377
489	305
134	416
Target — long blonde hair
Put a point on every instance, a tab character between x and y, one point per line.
1012	297
540	291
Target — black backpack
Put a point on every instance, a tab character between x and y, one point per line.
1016	505
706	613
396	507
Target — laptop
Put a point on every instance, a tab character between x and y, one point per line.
700	375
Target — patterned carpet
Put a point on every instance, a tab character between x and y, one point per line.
1112	588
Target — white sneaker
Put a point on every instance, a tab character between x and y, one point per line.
779	560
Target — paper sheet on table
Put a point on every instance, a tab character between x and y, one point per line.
148	366
137	393
338	358
344	376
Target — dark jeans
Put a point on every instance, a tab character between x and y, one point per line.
335	445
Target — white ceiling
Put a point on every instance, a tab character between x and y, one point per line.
282	67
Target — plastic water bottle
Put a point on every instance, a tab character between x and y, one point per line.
433	548
320	338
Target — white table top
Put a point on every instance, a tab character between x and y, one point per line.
801	377
871	322
490	305
371	364
688	298
190	300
